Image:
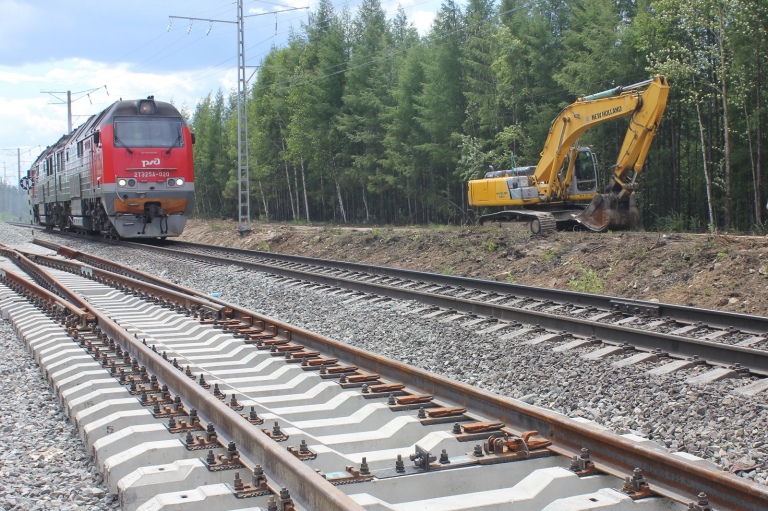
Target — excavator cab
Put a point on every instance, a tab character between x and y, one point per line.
580	174
584	173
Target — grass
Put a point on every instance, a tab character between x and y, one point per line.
446	269
490	246
549	256
442	227
588	282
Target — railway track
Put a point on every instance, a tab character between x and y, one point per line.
347	413
734	345
516	430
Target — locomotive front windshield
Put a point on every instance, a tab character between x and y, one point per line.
143	132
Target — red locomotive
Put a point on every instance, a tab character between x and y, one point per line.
126	172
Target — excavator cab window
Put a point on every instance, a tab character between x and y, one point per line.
585	172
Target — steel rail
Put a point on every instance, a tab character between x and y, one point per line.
307	487
682	347
41	276
681	313
745	322
48	298
166	290
101	263
669	475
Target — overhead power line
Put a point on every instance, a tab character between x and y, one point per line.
244	202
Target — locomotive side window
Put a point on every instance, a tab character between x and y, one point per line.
146	132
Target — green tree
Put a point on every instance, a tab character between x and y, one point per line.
403	136
212	160
367	94
316	100
441	108
269	116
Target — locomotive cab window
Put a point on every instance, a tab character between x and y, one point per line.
148	132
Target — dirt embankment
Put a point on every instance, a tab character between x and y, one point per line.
712	271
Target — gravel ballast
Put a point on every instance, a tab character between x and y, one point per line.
707	421
42	461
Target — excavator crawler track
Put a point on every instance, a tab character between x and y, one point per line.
543	224
540	223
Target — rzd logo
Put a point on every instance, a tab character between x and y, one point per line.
145	163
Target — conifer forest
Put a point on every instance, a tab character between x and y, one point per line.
360	119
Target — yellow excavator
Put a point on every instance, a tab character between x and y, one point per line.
557	192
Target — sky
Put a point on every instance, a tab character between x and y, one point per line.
104	50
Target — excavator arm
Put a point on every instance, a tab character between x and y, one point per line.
642	128
616	208
646	108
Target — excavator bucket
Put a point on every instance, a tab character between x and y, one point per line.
607	211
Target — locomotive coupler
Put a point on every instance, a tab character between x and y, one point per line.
152	211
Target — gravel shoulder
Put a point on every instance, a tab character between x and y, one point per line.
43	464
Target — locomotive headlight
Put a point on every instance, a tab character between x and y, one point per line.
147	106
179	182
121	182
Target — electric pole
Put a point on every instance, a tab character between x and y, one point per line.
243	191
18	183
69	101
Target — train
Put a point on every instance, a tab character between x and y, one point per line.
127	172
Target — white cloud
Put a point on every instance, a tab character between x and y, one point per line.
14	78
17	21
28	117
296	4
422	20
282	5
253	11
